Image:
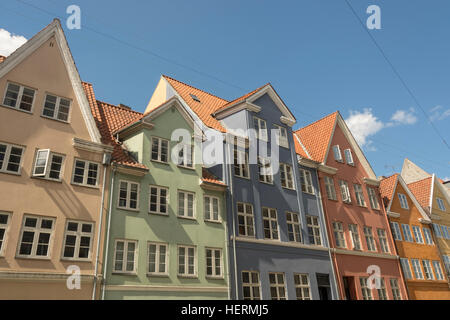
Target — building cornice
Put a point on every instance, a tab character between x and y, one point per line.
166	288
281	243
365	254
91	146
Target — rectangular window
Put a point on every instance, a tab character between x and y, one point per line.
383	240
78	240
396	231
437	230
444	232
85	173
250	285
159	200
313	230
302	286
277	286
403	201
261	128
306	181
373	199
428	237
382	295
293	226
48	165
441	204
331	190
4	222
354	233
158	258
417	269
349	157
359	195
10	158
282	138
287	181
345	191
406	268
270	223
369	239
446	260
187	265
337	153
396	295
56	108
186	207
365	290
128	195
212	208
35	237
186	156
214	263
19	97
160	149
417	234
339	235
245	219
265	170
427	269
407	232
438	270
241	167
125	256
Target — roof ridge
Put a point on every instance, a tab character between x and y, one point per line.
119	107
421	180
323	118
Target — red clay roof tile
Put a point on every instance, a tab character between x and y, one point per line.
422	190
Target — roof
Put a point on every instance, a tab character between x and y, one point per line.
422	190
300	148
242	98
316	136
210	178
387	186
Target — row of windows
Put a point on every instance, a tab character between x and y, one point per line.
338	156
341	242
408	235
261	130
22	98
366	291
422	274
441	231
404	202
126	259
37	233
48	165
246	224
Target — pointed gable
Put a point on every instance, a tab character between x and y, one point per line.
387	188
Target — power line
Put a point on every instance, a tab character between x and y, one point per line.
398	75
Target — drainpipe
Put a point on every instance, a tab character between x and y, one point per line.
97	258
108	228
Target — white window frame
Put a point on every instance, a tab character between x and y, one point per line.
186	160
78	234
373	198
302	287
396	233
417	234
211	218
395	288
306	181
274	232
428	236
441	204
158	200
417	269
251	285
314	230
407	232
57	107
338	230
185	213
159	155
446	261
278	286
438	270
370	239
86	166
245	215
265	165
359	194
345	191
337	153
445	232
128	196
186	273
37	231
406	267
19	97
5	227
48	165
124	260
214	265
383	240
7	158
349	157
242	167
158	246
365	290
330	188
403	201
437	230
382	294
282	140
428	269
294	224
354	233
288	178
261	132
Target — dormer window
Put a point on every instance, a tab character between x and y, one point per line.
56	108
337	153
261	128
19	97
349	157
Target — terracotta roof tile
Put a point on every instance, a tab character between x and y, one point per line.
387	188
421	190
210	178
299	148
242	98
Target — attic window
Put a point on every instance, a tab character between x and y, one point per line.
194	97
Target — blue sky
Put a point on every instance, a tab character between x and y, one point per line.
314	52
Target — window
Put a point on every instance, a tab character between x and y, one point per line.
438	270
337	153
250	285
159	200
406	268
186	261
281	134
302	287
356	242
396	231
441	204
313	230
445	233
36	236
10	158
125	256
382	295
212	208
428	270
417	234
129	195
265	170
245	219
306	181
186	156
395	289
373	199
19	97
407	233
437	230
329	186
286	176
241	168
214	263
446	260
349	157
186	204
369	239
293	226
345	191
428	237
383	240
403	201
158	258
48	165
277	288
78	240
4	222
56	108
359	195
85	173
270	223
417	269
365	290
261	128
160	149
339	235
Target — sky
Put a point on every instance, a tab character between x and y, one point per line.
315	53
